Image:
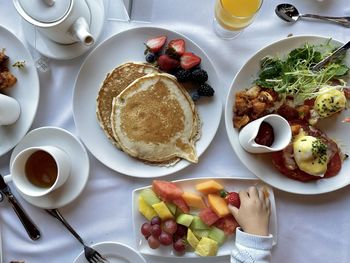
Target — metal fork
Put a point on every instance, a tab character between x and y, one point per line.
91	254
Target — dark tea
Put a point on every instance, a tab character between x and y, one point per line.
41	169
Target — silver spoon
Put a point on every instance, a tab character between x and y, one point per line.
290	13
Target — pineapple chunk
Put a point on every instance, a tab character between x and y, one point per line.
146	210
163	211
207	247
218	205
192	239
193	200
209	187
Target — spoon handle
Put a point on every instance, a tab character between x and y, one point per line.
344	21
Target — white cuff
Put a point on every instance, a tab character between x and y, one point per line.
253	241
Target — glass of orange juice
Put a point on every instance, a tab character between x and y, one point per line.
232	16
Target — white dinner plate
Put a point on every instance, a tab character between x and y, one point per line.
114	253
25	91
77	180
120	48
230	184
261	164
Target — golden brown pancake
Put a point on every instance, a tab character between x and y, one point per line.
114	83
155	120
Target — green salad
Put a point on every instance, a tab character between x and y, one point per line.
292	75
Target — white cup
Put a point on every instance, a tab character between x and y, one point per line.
281	129
20	180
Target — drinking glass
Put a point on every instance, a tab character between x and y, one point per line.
232	16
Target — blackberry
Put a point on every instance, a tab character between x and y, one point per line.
195	96
183	75
150	57
199	75
206	90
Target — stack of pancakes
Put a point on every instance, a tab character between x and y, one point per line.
148	115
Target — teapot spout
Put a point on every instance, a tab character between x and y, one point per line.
80	31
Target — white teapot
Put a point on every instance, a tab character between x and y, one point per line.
63	21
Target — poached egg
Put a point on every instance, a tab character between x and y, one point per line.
329	102
9	110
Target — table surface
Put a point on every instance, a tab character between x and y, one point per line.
310	228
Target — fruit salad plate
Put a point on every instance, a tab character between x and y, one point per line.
188	185
27	86
128	46
260	164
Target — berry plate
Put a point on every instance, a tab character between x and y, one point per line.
230	184
120	48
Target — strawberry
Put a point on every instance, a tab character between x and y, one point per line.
154	45
176	48
167	63
189	60
232	198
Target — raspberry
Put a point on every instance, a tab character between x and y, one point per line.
206	90
183	75
199	75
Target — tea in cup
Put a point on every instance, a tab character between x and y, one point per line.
37	171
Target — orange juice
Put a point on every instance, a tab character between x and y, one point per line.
235	15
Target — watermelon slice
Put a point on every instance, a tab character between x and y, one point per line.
167	191
180	203
228	224
208	216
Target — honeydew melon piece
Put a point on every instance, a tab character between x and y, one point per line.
217	234
209	187
198	224
163	211
207	247
145	209
218	205
193	200
200	233
149	196
184	219
192	239
172	207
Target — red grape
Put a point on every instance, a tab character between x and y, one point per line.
170	226
146	229
156	231
181	230
165	238
153	242
156	220
179	245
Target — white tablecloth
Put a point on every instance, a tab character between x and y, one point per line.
311	228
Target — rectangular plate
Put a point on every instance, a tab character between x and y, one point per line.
230	184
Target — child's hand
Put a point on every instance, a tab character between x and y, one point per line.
254	212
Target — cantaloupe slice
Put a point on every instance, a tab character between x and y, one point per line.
193	200
218	205
209	187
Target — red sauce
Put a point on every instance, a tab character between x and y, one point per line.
265	135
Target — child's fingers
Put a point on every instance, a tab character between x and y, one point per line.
243	194
268	203
253	192
233	210
261	195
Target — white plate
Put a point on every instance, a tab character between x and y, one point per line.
120	48
55	50
261	165
25	91
79	170
230	184
114	253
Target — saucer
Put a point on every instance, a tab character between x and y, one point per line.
58	51
79	170
114	253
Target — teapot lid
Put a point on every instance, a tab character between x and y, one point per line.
43	11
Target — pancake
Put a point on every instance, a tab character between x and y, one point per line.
155	120
114	83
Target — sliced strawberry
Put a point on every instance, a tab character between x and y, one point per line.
167	63
189	60
176	47
155	44
232	198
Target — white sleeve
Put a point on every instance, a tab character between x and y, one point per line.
251	248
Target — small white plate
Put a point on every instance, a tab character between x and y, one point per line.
25	91
55	50
230	184
261	164
120	48
79	161
114	253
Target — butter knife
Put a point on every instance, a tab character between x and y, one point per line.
335	54
30	227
